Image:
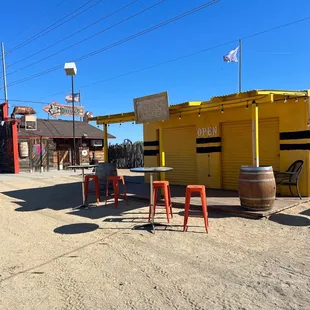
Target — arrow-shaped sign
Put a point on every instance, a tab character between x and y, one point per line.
55	110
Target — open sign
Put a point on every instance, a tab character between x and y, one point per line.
207	131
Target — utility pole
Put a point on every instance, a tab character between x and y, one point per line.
73	123
81	118
4	73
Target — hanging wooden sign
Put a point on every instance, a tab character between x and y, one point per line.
151	108
55	110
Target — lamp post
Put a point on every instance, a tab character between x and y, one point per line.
70	69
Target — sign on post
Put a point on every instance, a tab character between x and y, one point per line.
151	108
55	110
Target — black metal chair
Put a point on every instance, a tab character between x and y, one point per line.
290	177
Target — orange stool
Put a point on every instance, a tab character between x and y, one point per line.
195	189
115	180
167	197
86	183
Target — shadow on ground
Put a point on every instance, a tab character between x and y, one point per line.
66	196
306	212
290	220
196	211
108	209
79	228
57	197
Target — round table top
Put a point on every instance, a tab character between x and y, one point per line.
82	166
151	169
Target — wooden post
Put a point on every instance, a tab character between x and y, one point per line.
47	155
105	143
255	140
58	160
41	155
31	155
15	146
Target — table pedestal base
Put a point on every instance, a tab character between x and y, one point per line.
150	226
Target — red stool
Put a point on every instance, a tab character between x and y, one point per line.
167	197
86	183
115	180
195	189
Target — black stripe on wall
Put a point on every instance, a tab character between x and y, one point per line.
208	149
151	143
295	135
208	140
150	152
300	146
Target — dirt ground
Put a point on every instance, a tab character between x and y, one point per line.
52	257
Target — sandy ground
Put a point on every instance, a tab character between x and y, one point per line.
54	258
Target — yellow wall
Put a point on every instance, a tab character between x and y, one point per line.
150	133
292	117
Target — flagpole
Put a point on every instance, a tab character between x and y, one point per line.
240	67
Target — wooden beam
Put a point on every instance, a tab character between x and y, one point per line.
105	143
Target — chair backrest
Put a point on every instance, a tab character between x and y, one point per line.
104	170
295	168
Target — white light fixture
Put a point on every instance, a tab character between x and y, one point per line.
70	68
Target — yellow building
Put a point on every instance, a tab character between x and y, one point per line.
207	142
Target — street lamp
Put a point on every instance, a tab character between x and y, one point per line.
70	69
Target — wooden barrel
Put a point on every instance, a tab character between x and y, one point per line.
23	149
257	188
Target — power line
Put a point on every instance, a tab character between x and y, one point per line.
26	101
185	56
35	21
77	32
151	66
159	64
141	33
50	28
89	37
276	28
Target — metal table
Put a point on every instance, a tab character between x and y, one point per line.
151	170
82	167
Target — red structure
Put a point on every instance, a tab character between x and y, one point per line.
9	162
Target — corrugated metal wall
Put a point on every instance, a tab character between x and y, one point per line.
237	148
180	149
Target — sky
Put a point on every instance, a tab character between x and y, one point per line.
42	35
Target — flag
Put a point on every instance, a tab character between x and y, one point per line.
232	55
77	97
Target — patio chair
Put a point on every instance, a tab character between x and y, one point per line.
290	177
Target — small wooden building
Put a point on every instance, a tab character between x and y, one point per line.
206	142
49	144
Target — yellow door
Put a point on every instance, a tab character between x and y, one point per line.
180	148
237	148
